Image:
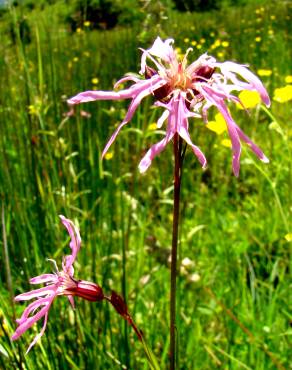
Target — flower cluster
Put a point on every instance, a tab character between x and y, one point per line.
184	91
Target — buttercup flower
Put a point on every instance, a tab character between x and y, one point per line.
283	94
59	283
249	99
184	91
218	125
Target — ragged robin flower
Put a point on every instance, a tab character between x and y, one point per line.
184	91
59	283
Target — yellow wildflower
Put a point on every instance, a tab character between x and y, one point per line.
95	80
220	54
75	59
288	79
216	44
258	39
194	43
152	126
86	24
272	17
225	44
32	110
78	30
249	99
264	72
186	40
199	46
270	32
219	125
202	41
288	237
108	155
86	54
226	143
283	94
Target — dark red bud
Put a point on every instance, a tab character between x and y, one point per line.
119	304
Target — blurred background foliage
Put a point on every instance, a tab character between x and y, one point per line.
235	251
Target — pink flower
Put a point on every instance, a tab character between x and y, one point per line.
184	91
59	283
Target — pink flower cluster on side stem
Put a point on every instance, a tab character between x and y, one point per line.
63	283
184	91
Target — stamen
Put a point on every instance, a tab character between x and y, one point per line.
184	62
54	265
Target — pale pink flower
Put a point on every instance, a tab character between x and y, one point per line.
59	283
184	91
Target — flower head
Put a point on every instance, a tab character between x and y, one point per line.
59	283
184	91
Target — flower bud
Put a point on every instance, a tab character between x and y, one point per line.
119	304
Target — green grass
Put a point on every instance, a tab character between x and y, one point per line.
237	315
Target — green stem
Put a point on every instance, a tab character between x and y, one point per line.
177	149
6	260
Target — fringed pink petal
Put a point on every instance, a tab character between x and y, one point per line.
47	290
132	109
45	278
203	60
125	79
153	152
24	326
88	96
75	240
257	151
183	132
248	76
215	99
162	119
31	308
182	115
133	90
38	336
234	137
163	49
160	49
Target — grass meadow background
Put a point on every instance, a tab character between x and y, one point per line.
234	289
